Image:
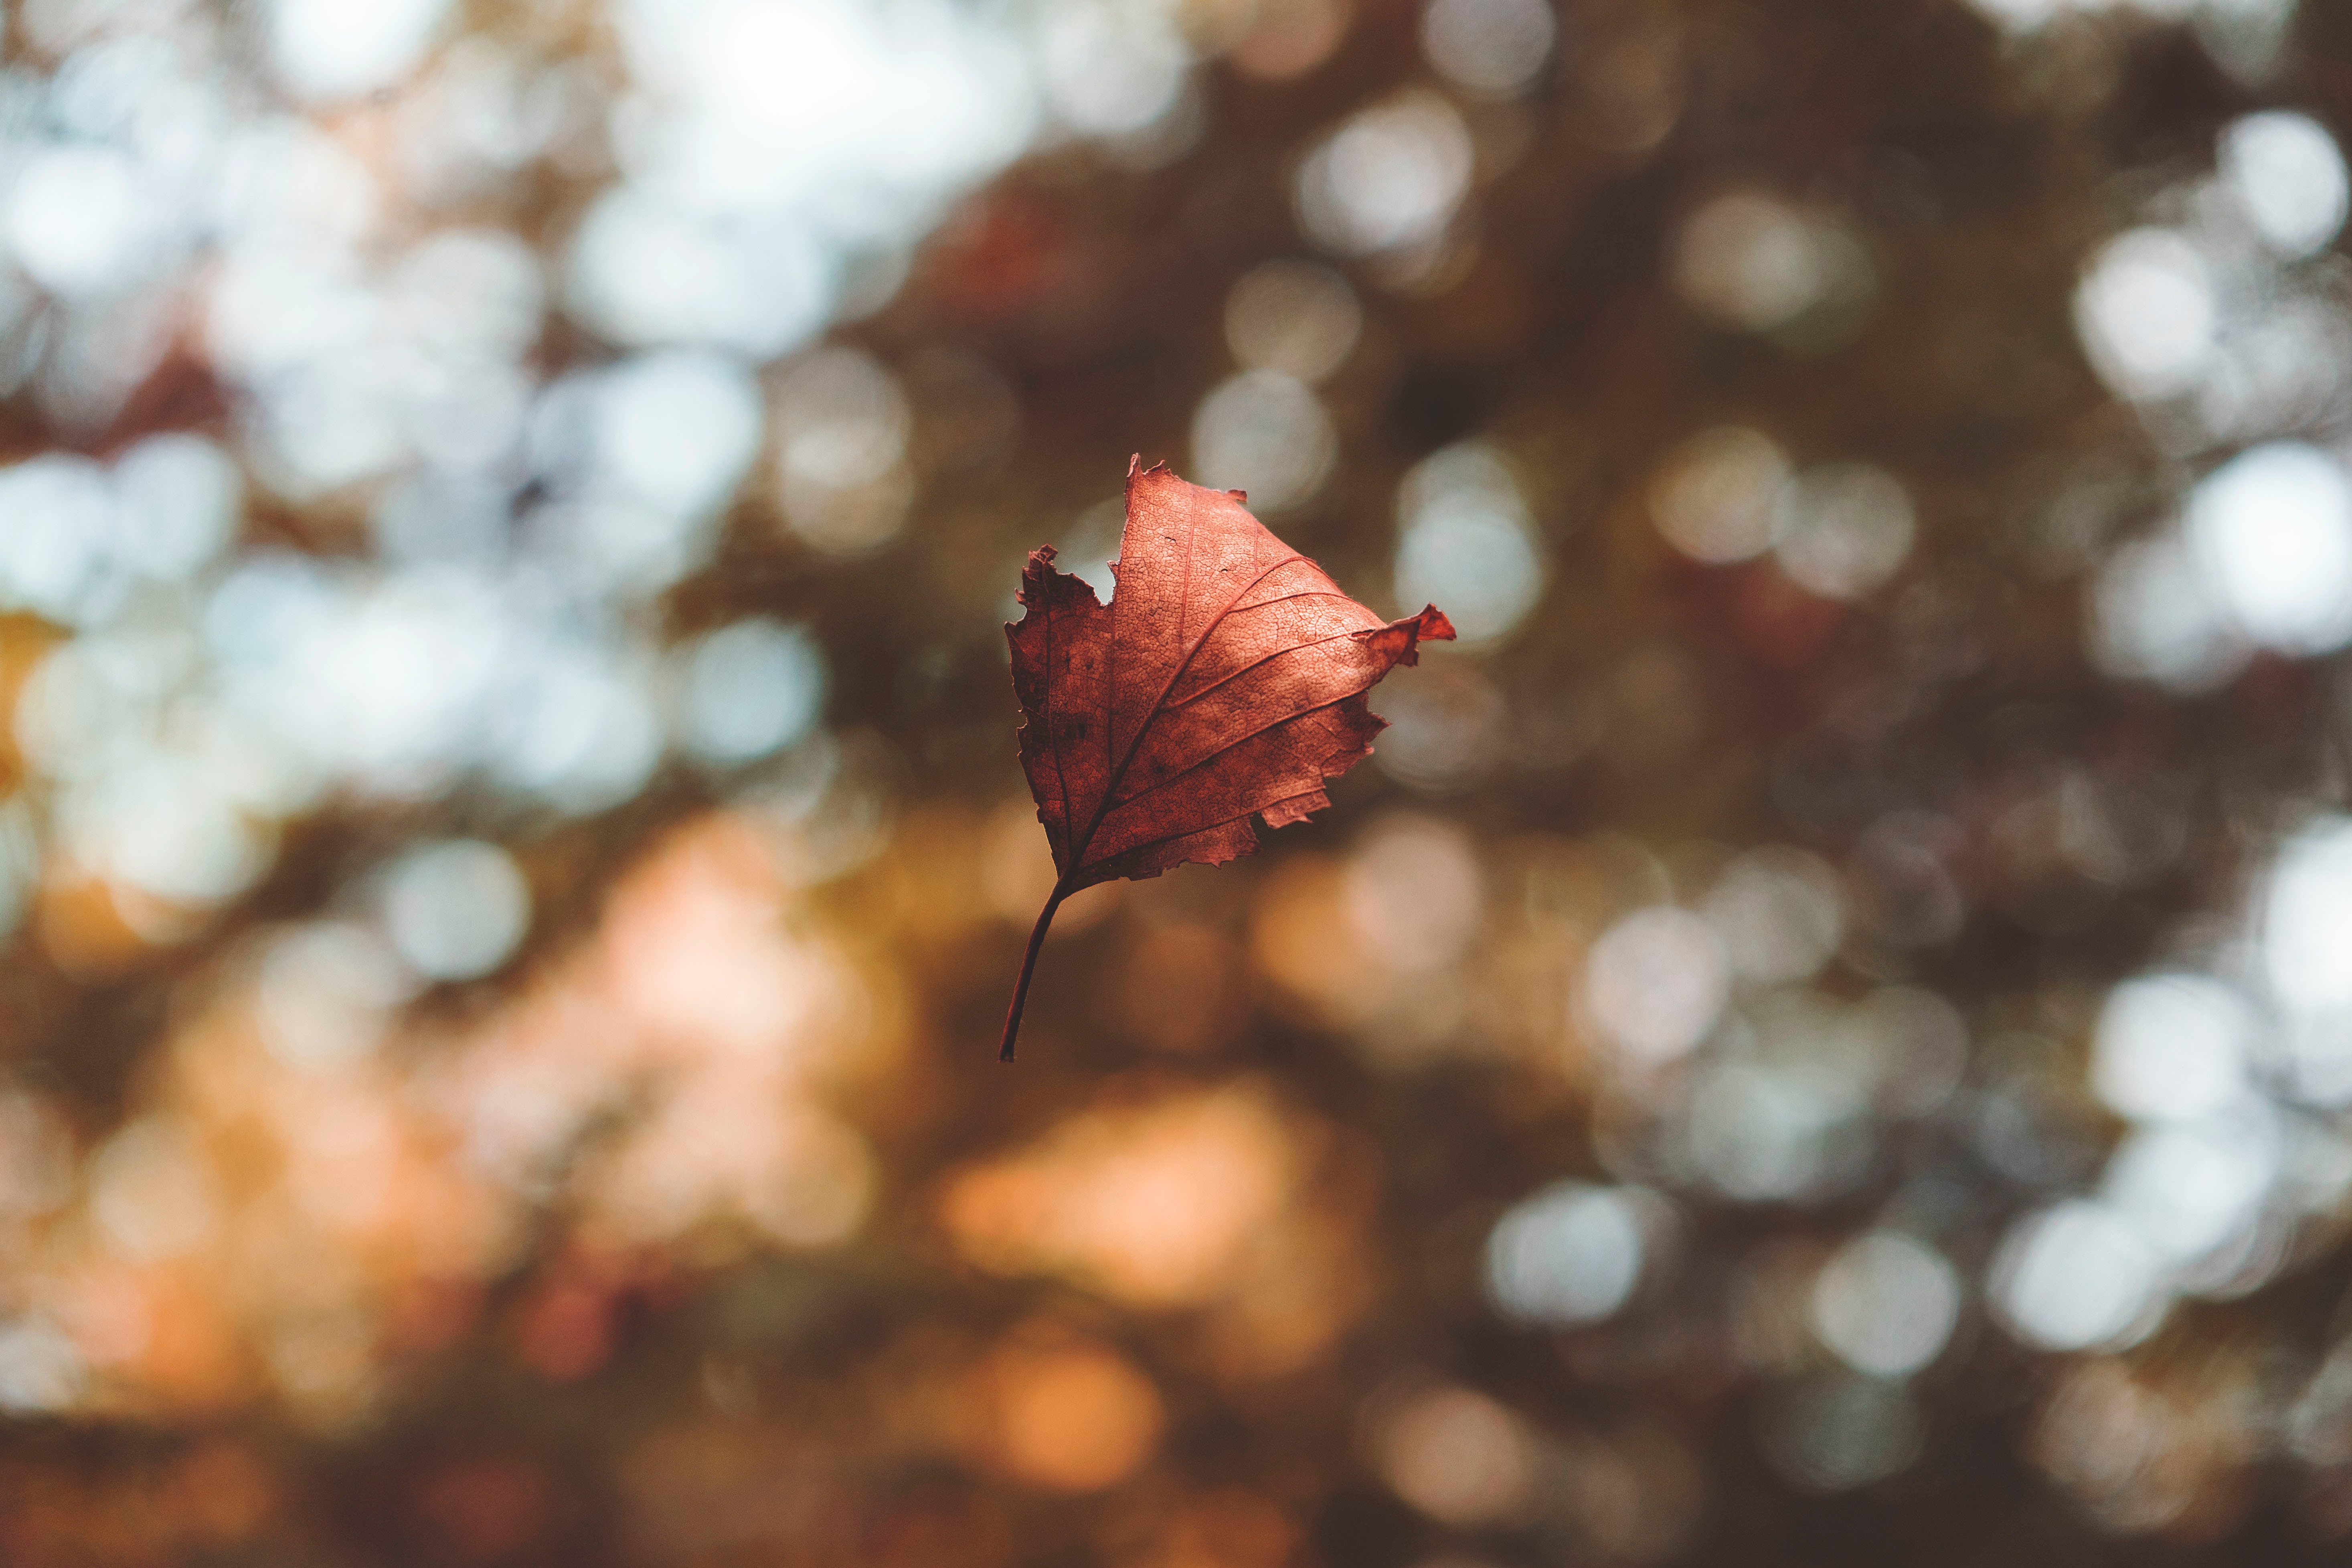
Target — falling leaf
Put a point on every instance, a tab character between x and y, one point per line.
1225	679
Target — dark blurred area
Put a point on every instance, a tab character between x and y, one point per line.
1822	1035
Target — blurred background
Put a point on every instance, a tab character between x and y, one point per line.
1824	1031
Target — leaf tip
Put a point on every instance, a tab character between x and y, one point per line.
1402	639
1035	573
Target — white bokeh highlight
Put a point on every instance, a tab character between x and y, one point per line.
2173	1047
1266	434
329	49
1656	982
2287	175
751	687
1389	177
1570	1254
2153	615
1496	48
2273	529
2077	1276
1842	529
455	909
1713	496
1886	1304
1467	542
2146	312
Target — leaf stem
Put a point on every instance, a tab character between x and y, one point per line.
1029	967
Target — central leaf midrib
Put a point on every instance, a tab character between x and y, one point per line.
1200	762
1119	772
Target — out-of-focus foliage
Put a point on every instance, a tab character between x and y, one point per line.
1826	1034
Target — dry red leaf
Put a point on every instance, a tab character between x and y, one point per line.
1224	679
